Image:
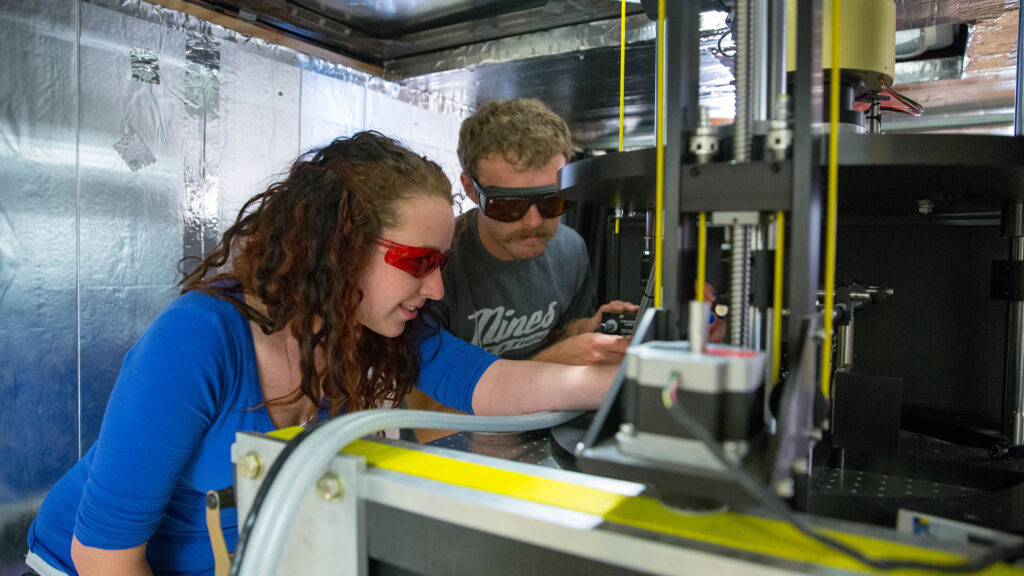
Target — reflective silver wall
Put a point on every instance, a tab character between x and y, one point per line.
129	137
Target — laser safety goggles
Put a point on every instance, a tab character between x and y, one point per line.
511	204
416	260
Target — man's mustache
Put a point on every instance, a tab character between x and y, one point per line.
530	233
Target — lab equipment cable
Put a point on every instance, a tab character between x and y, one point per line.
908	104
266	529
752	486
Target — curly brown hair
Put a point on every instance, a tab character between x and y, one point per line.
524	132
302	247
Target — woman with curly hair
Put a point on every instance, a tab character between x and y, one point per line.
310	306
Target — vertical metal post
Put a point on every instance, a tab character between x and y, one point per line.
805	225
875	117
776	52
682	80
1014	220
844	342
760	65
1014	376
1018	104
739	259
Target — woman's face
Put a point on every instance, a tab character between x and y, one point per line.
392	297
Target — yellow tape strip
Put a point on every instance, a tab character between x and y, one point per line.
736	531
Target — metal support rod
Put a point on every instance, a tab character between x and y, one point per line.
1014	377
760	326
844	344
759	64
874	116
744	87
776	51
739	286
1018	104
682	80
805	225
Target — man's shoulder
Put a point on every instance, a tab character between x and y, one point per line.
568	240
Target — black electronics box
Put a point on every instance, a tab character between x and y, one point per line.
618	323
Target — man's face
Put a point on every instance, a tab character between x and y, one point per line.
528	236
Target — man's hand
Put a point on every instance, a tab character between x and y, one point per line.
585	325
586	349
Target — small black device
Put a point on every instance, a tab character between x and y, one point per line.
617	323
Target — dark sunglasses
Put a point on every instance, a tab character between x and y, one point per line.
416	260
511	204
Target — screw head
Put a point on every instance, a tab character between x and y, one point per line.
785	488
800	466
250	465
330	487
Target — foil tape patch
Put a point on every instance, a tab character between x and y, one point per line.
133	150
949	68
202	75
200	213
145	65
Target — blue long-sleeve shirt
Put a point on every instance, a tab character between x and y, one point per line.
186	387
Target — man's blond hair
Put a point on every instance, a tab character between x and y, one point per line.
524	132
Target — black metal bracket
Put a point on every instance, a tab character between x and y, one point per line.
1007	281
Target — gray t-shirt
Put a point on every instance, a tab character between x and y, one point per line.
509	307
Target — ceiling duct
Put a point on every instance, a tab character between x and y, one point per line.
924	13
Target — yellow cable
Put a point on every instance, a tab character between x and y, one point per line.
833	184
659	220
780	237
702	255
622	80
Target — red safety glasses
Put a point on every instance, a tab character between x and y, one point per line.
511	204
416	260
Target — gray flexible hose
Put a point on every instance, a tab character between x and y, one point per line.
310	458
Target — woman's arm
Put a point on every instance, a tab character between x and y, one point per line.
89	561
510	387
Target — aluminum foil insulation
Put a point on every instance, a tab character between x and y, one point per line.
131	139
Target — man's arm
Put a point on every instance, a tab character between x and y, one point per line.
584	349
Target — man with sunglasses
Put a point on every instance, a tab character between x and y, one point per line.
519	281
